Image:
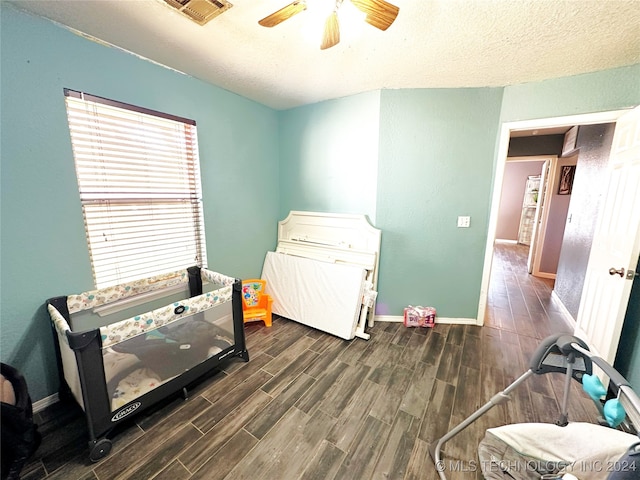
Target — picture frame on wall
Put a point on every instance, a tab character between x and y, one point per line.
567	172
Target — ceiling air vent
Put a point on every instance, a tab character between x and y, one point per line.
200	11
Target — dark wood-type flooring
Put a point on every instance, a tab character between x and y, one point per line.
312	406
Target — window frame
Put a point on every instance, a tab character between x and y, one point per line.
144	196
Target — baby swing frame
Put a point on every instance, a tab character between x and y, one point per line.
557	353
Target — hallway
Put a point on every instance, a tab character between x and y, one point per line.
519	302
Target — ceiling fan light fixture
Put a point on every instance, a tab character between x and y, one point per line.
331	35
284	13
379	13
200	11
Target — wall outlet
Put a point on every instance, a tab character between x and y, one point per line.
464	222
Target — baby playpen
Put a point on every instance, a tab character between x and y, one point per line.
116	368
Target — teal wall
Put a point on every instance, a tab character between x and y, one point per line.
329	156
378	153
589	93
436	162
43	249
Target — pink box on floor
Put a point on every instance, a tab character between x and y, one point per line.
419	316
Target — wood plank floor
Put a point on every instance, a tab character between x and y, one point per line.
312	406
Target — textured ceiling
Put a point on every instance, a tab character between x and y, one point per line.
432	43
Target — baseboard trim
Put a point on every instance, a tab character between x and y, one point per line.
504	240
45	402
457	321
443	320
545	275
388	318
568	318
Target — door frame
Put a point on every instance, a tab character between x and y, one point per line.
500	162
540	225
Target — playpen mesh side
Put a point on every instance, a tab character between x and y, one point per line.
145	322
143	363
144	351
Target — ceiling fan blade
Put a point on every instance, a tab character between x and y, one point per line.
331	35
380	14
283	14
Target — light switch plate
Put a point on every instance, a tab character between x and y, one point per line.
464	222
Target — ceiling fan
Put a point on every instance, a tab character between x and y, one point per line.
380	13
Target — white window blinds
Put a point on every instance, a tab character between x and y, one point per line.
139	180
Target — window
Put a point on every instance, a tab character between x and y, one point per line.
139	180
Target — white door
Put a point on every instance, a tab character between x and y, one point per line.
535	247
616	244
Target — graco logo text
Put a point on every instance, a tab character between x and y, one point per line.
123	413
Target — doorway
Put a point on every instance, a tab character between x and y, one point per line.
507	130
523	195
